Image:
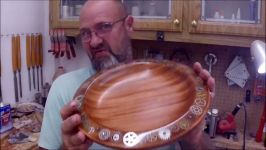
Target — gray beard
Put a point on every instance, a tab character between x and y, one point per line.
104	62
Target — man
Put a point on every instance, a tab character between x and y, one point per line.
105	31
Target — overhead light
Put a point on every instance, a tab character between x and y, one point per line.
257	51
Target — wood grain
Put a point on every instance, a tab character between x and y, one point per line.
126	97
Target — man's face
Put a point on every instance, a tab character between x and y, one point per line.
105	29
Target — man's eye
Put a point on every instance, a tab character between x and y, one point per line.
105	26
85	33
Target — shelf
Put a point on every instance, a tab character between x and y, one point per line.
251	144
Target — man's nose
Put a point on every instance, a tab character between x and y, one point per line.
95	40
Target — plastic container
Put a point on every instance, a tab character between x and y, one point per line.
6	121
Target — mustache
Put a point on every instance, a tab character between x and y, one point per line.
103	47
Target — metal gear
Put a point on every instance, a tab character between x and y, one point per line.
130	139
104	134
164	134
116	136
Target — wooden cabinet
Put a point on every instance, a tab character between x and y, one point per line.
65	14
181	21
227	17
156	15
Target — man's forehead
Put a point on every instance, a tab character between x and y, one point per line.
101	7
95	12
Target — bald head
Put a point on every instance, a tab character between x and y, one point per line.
104	6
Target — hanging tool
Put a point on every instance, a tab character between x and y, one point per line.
37	60
62	42
33	57
70	42
210	60
14	65
19	63
28	57
57	43
41	57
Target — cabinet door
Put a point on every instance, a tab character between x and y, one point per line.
230	17
65	13
159	15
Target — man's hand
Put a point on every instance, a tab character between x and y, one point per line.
196	138
72	137
205	76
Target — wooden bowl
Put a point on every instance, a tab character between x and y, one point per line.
142	104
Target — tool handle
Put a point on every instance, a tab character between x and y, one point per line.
18	52
33	63
28	51
37	51
41	50
14	54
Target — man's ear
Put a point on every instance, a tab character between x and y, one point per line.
129	23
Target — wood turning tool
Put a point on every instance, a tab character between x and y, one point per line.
28	57
18	52
41	57
14	65
33	58
37	59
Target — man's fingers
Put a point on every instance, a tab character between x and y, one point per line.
68	110
78	139
204	74
71	124
197	67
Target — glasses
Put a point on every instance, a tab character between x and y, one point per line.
100	29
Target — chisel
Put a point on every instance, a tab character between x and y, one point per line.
14	65
37	59
33	58
41	57
19	63
28	58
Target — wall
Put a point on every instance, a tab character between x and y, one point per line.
31	16
74	63
19	17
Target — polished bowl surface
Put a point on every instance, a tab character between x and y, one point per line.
146	98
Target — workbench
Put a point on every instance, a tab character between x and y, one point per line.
29	144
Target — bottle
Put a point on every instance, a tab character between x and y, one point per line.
213	123
65	9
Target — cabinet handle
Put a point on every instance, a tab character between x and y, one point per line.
176	22
194	23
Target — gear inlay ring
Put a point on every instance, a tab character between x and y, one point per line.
196	110
164	134
151	137
184	124
174	128
200	102
79	100
104	134
130	139
91	130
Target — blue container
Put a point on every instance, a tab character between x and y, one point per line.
6	121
